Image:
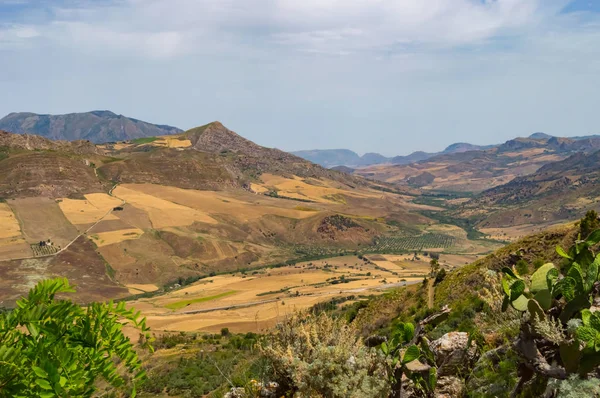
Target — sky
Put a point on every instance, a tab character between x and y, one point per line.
387	76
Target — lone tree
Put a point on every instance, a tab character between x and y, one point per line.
435	266
51	347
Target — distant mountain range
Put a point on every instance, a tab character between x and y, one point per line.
95	126
346	160
556	192
345	157
479	170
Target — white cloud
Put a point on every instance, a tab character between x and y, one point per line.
373	75
166	28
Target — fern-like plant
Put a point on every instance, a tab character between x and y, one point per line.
56	348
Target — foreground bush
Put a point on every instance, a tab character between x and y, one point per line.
559	336
51	347
318	356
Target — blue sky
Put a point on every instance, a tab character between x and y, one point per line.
389	76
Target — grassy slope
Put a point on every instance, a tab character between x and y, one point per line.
467	290
474	296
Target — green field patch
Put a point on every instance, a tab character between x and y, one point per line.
184	303
144	140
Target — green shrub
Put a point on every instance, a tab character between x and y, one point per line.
522	267
589	223
538	263
440	276
318	356
576	388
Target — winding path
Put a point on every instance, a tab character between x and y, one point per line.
78	236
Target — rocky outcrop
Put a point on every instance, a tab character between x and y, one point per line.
31	142
449	387
254	389
454	353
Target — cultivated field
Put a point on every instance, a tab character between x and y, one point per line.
141	288
86	212
8	221
12	243
256	300
162	213
244	207
171	141
112	237
309	189
42	219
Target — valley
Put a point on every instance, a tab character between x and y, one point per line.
220	205
217	241
394	199
205	230
254	301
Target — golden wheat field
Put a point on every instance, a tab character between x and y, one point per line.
141	288
95	207
256	300
171	141
192	205
111	237
12	243
320	191
163	213
8	221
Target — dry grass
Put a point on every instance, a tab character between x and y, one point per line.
271	293
88	211
516	232
258	188
317	191
8	221
403	265
136	288
162	213
195	205
185	303
171	141
12	243
41	219
14	248
112	237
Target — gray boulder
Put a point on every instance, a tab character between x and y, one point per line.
453	353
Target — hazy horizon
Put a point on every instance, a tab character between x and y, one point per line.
391	77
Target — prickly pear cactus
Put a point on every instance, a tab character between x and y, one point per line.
560	302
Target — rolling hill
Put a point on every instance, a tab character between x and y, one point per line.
138	214
557	192
95	126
